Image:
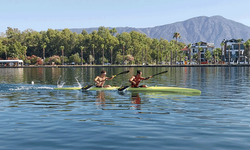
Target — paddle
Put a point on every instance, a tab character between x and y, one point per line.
126	86
89	86
156	74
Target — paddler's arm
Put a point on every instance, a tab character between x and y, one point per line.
110	78
131	80
148	78
96	80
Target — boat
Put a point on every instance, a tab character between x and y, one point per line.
187	91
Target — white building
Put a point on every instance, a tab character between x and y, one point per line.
205	47
235	48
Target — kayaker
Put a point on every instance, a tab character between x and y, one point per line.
100	80
135	80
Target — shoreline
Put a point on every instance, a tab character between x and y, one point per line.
96	66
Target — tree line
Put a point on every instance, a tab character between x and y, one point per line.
101	46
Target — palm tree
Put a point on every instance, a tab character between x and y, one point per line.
111	48
157	54
146	54
62	49
25	50
123	44
229	46
43	47
189	52
222	44
176	35
161	46
102	46
239	43
171	55
200	49
81	47
247	48
93	47
199	59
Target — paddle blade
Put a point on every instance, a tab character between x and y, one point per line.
160	73
122	72
86	87
123	88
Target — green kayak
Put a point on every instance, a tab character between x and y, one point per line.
148	89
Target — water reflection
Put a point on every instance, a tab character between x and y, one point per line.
136	99
100	98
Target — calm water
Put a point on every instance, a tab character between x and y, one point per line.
35	116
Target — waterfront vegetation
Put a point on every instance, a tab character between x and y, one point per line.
98	47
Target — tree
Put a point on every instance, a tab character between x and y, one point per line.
222	44
247	50
93	47
208	55
176	35
199	51
142	59
239	43
195	56
171	55
111	48
62	49
113	31
123	44
81	47
102	54
4	48
146	53
75	58
43	47
189	46
161	47
228	47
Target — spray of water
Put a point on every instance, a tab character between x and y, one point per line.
60	83
79	85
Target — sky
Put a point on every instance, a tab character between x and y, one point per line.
40	15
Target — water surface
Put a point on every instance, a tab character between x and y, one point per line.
35	116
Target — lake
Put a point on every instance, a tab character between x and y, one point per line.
35	116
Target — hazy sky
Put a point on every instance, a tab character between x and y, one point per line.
59	14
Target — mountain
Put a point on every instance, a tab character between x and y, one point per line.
208	29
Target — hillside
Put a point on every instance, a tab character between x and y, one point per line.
208	29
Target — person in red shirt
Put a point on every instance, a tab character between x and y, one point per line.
135	80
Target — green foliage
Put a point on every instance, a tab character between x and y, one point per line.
208	55
56	59
30	42
75	58
195	56
105	60
27	61
91	59
65	59
119	59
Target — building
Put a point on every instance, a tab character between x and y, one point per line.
205	47
236	48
